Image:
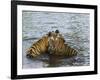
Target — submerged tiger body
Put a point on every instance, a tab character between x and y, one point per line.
39	47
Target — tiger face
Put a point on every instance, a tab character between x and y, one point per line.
57	46
54	40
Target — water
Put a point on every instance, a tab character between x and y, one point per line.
73	26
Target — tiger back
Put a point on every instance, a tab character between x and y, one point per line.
39	47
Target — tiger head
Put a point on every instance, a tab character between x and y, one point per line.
55	38
57	45
54	35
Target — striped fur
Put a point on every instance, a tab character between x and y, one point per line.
58	47
39	47
52	43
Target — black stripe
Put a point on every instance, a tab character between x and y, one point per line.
68	51
71	51
38	48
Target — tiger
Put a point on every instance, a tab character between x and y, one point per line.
39	47
59	47
51	43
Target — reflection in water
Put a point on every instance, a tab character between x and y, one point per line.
54	60
57	61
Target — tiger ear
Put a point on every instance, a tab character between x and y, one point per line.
57	31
